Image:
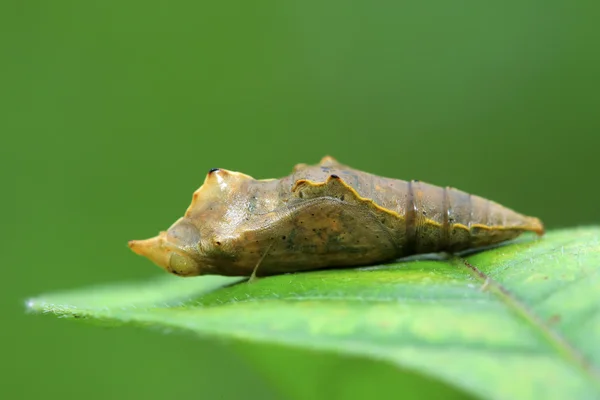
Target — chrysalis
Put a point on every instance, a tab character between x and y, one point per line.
323	216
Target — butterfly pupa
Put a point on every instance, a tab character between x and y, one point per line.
323	216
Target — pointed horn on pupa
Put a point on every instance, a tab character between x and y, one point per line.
329	161
153	249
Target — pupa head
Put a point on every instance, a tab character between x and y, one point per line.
175	250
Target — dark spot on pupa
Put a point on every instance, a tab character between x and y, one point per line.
210	171
342	197
300	194
424	212
283	237
333	176
218	243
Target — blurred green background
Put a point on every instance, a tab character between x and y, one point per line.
112	113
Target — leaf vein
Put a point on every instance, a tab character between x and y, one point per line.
554	338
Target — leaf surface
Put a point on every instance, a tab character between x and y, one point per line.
517	321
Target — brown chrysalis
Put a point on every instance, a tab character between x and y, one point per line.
327	215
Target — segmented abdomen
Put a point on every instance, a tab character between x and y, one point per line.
447	219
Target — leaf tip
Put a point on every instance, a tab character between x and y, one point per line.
30	305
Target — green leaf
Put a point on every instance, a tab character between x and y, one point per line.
518	321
